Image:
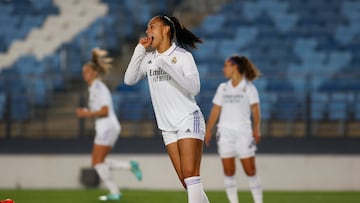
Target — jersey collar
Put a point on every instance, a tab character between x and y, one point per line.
168	51
241	85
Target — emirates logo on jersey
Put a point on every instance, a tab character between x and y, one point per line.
159	75
173	60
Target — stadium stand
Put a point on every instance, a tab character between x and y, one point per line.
56	40
308	52
300	46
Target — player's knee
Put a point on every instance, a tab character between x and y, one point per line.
189	172
229	171
250	171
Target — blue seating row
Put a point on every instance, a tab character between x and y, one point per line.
19	17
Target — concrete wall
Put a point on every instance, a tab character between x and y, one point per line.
278	172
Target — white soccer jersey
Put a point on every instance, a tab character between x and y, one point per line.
99	96
173	82
236	104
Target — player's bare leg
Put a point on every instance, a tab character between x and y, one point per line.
173	152
229	167
186	158
98	157
249	167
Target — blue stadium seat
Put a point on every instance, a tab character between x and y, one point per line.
288	108
132	107
319	106
123	88
251	10
39	92
303	46
260	84
266	111
204	100
245	35
267	100
2	105
53	69
339	59
149	111
356	107
213	23
203	72
20	107
11	80
116	99
18	17
338	106
338	111
207	50
300	84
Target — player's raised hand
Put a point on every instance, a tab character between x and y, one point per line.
145	41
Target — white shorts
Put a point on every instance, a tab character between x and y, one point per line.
237	144
107	137
192	127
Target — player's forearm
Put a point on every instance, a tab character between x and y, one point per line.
210	124
256	117
133	73
190	83
256	125
213	117
103	112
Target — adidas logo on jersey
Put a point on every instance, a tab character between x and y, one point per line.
149	62
188	131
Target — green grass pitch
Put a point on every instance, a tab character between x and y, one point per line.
149	196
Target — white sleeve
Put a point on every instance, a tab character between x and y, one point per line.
218	95
134	72
187	76
253	95
102	99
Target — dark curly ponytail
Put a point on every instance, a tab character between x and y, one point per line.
246	67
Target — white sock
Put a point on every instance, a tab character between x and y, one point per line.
114	164
256	188
231	189
104	173
204	198
195	190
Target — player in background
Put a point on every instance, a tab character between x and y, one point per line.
234	102
173	82
107	125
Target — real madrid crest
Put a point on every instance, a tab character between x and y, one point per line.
173	60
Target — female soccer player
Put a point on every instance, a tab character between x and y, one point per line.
173	82
234	101
106	124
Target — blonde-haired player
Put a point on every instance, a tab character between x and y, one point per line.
173	81
234	102
107	125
